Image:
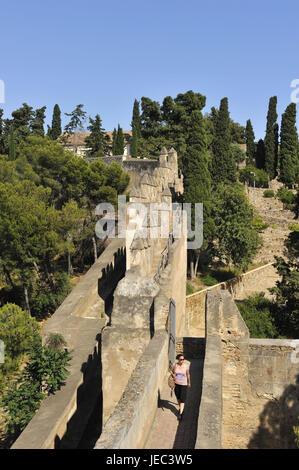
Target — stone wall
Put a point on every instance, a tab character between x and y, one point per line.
130	423
258	380
257	280
63	417
141	307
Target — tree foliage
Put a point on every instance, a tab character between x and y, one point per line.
270	142
250	144
289	160
223	165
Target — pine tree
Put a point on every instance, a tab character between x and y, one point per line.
289	146
250	145
223	166
12	145
136	128
96	140
56	129
37	124
260	155
2	135
271	139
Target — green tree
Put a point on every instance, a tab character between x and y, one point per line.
17	331
289	162
44	373
76	123
223	166
260	155
37	123
270	141
12	145
258	314
119	142
239	155
250	145
237	239
197	181
114	136
286	291
56	129
21	122
136	128
96	141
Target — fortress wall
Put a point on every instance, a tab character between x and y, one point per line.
273	365
79	320
258	379
131	421
257	280
177	282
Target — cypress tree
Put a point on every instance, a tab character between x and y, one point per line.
250	145
223	165
289	146
56	129
260	155
136	128
114	136
271	139
119	142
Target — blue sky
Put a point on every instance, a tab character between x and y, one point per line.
106	54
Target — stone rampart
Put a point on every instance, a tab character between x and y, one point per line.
273	366
79	320
250	386
130	423
257	280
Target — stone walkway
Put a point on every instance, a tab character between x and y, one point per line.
167	432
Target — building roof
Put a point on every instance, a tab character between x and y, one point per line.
79	138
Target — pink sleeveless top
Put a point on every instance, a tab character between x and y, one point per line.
180	373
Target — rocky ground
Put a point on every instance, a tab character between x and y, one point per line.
277	217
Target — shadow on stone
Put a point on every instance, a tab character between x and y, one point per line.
277	420
187	429
85	426
167	404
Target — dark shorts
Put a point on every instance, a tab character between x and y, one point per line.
181	392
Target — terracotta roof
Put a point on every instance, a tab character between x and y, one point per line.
79	139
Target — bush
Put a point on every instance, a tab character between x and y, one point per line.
258	314
189	289
261	178
285	196
44	373
258	224
269	193
209	280
294	227
238	153
17	330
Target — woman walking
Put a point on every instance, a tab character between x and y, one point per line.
181	375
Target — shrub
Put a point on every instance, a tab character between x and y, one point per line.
269	193
189	289
285	196
44	373
209	280
17	330
261	178
294	227
258	314
258	224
